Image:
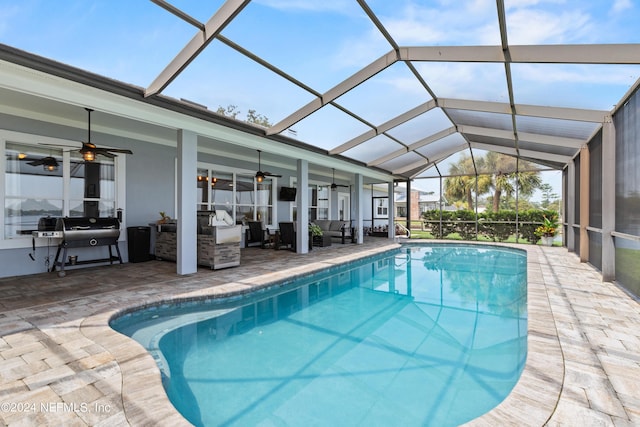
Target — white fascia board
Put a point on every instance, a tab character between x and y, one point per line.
36	83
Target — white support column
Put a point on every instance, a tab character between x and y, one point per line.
333	204
392	214
571	201
187	257
302	216
359	210
608	200
585	170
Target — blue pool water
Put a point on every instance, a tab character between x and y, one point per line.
426	335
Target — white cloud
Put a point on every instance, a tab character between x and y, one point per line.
308	5
579	74
457	23
621	5
529	26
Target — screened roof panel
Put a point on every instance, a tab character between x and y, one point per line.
449	144
327	128
571	21
228	78
483	139
481	119
467	80
335	37
297	63
590	86
429	23
385	95
423	125
556	127
402	161
373	149
117	45
554	149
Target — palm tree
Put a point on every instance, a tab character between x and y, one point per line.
505	177
462	183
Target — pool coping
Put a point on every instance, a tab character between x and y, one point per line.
531	402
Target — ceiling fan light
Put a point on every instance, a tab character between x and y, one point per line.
22	156
259	176
50	164
88	155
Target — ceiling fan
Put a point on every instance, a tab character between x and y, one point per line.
335	186
49	163
89	150
260	175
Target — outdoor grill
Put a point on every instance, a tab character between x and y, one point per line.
86	232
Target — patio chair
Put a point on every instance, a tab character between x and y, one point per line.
287	235
256	234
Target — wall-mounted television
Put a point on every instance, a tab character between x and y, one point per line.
288	194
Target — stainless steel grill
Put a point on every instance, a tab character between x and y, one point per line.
86	232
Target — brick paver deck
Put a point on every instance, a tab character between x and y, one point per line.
61	364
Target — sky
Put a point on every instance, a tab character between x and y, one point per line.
321	43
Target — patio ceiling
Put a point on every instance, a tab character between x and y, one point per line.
402	85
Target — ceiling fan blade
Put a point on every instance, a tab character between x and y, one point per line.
104	152
38	162
57	146
118	150
272	174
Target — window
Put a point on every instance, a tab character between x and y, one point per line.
238	193
44	178
318	202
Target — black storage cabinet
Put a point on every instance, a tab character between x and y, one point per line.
138	239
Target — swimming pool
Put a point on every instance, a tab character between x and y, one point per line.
426	335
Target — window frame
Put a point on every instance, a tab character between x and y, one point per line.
235	172
23	138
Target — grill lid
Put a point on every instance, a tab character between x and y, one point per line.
81	228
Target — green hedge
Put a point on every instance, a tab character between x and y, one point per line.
496	226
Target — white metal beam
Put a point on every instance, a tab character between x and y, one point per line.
218	21
546	54
452	53
540	155
557	141
523	136
577	54
497	148
595	116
